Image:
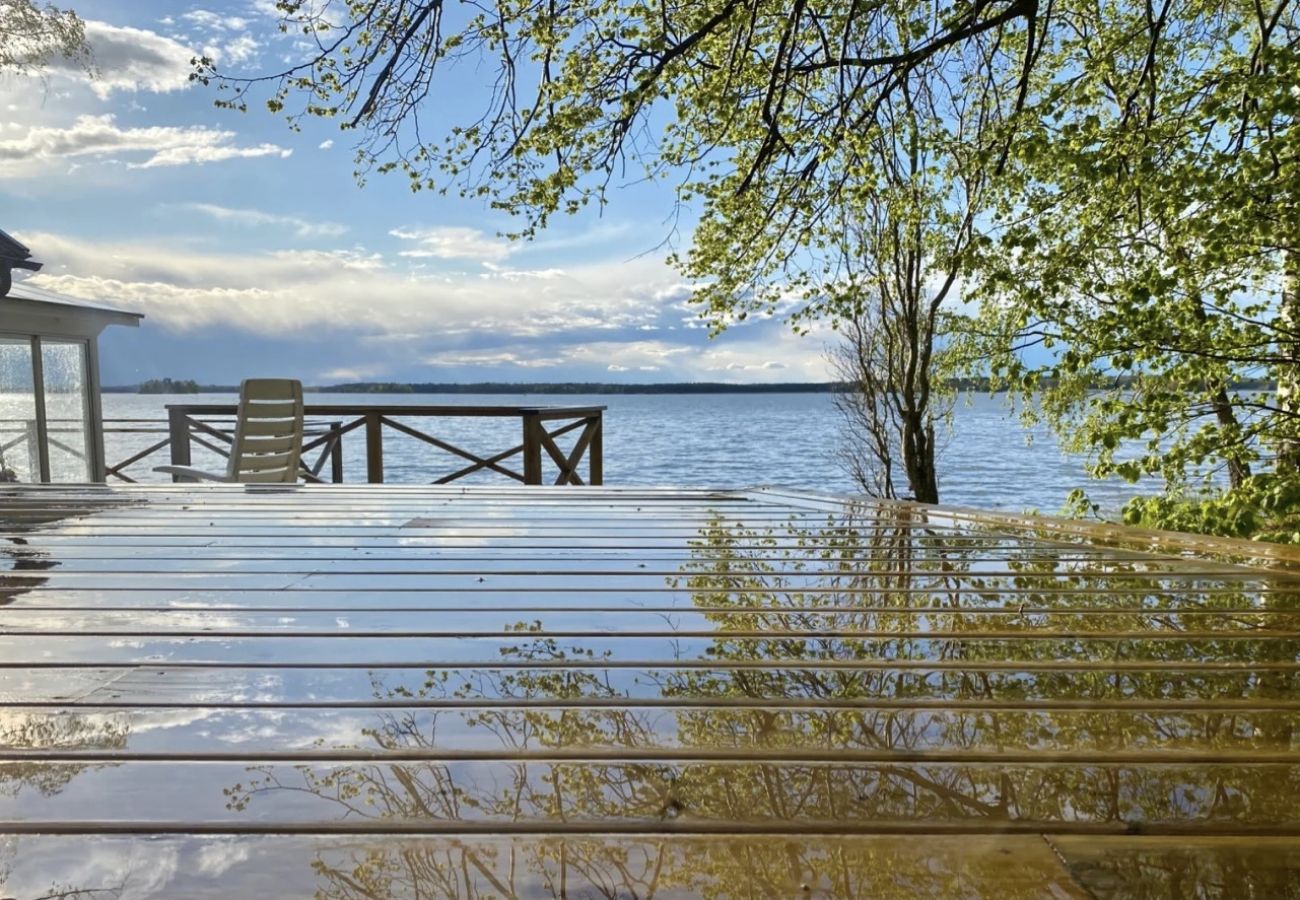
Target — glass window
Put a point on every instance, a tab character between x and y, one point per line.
63	365
19	453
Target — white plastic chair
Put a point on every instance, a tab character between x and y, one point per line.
268	436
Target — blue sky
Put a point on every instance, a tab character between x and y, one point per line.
252	251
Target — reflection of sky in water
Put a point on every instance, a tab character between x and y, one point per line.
880	868
785	674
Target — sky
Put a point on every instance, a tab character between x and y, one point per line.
252	251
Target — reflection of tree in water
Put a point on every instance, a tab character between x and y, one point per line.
888	646
21	731
21	565
1187	869
63	891
23	561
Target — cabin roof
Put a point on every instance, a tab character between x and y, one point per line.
31	309
11	246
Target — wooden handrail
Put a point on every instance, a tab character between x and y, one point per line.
357	409
537	446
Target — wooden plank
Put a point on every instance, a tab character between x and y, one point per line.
595	796
736	568
316	539
503	588
721	622
678	867
864	734
97	549
1189	866
795	685
31	592
1100	653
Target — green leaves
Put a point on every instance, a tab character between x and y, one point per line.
1143	228
1265	507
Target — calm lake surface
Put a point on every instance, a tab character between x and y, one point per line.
717	440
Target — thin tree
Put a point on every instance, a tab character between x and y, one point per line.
903	242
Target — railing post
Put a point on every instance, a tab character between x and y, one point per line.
596	452
374	448
532	448
178	435
336	454
33	451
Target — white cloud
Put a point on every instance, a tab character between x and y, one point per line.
373	318
211	21
453	243
752	366
100	136
133	59
220	855
346	373
237	50
254	217
204	153
523	360
325	145
286	291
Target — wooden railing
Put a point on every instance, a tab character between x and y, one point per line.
16	434
211	426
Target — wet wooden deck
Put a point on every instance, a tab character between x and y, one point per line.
372	692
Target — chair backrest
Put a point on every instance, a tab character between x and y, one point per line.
268	433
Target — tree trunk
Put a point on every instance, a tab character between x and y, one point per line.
1238	471
918	459
1221	403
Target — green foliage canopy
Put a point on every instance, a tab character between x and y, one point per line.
762	114
1147	217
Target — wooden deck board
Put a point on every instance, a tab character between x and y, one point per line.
1003	867
743	622
547	692
323	685
813	730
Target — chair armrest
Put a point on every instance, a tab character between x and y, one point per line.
185	473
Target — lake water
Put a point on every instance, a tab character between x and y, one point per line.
716	440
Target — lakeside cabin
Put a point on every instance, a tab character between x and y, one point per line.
51	420
381	690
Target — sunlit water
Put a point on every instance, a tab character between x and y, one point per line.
715	440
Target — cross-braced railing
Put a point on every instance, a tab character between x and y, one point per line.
211	425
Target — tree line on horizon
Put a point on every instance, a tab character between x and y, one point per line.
964	384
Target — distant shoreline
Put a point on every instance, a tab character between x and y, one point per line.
176	386
495	387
